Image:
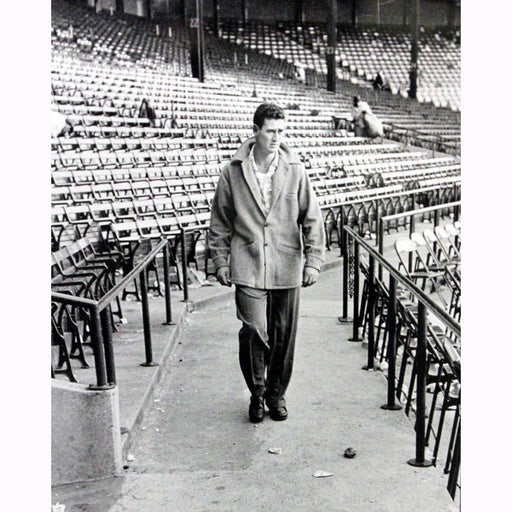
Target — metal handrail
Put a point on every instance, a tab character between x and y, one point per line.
440	313
424	304
384	196
427	209
411	213
101	328
108	297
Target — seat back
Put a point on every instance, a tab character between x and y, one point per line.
403	248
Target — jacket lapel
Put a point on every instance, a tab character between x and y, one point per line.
278	181
253	185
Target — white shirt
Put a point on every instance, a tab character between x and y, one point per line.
264	179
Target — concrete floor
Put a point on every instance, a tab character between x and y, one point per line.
191	447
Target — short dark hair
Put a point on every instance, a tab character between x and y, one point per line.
267	111
356	100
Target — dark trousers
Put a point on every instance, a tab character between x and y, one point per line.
267	339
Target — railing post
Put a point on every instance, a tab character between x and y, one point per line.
377	218
436	217
455	466
355	319
106	329
371	314
421	384
344	249
99	356
184	264
145	320
411	231
380	236
412	224
391	326
342	238
167	289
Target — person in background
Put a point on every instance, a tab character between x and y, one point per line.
300	72
60	124
359	108
267	238
378	82
146	110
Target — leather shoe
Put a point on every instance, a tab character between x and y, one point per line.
256	409
278	413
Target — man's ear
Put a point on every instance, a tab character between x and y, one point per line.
255	128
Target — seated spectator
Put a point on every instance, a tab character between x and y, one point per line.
359	107
60	124
300	72
146	110
372	125
386	86
378	82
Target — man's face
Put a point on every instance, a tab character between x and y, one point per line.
270	135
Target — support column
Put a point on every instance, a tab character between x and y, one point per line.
299	11
245	11
196	36
119	7
331	45
216	18
147	4
413	70
405	13
354	12
452	13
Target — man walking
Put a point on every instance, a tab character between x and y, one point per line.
267	238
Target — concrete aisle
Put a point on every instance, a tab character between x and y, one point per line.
197	451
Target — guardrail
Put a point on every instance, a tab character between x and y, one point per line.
432	142
422	328
339	222
408	196
455	206
101	323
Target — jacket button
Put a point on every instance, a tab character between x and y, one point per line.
265	245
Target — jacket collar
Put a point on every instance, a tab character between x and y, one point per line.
286	157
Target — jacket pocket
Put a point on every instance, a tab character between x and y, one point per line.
291	249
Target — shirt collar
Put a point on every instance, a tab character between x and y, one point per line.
272	167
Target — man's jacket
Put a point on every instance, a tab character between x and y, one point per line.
266	251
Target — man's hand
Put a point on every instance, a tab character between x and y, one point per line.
224	276
309	276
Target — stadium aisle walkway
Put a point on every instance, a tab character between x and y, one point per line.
197	451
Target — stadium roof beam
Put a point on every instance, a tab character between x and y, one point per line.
330	54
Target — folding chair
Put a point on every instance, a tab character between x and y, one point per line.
446	236
58	340
439	249
405	249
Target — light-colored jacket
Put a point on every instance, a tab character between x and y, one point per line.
266	252
357	113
